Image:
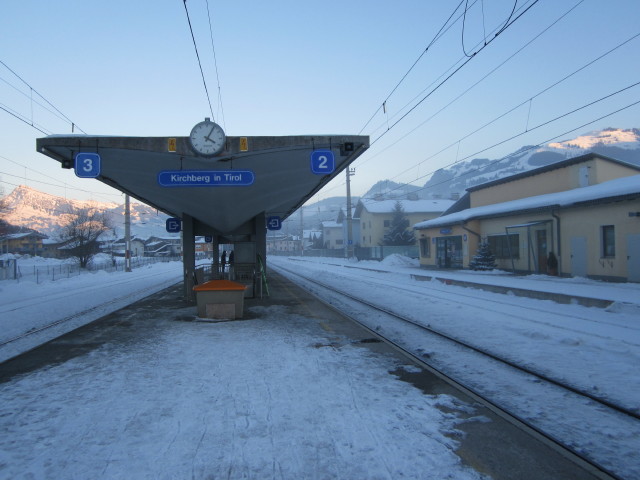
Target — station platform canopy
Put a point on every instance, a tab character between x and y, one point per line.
250	177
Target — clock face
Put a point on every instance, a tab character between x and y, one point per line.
207	138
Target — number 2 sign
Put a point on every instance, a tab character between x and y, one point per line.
87	165
322	162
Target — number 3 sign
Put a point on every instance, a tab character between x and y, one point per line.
322	162
87	165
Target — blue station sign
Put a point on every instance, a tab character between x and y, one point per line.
274	223
322	162
206	178
173	225
87	165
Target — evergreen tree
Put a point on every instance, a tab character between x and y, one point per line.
484	259
399	233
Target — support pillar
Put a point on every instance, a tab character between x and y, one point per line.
188	257
261	238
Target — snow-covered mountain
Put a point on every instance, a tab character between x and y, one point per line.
30	208
45	213
613	142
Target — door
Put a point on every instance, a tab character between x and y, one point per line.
541	246
579	256
449	252
633	258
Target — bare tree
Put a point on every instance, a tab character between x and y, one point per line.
4	209
81	233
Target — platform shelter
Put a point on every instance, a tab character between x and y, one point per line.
252	184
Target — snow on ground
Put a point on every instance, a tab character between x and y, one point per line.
26	305
148	431
216	400
594	349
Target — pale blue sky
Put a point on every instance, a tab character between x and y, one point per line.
291	67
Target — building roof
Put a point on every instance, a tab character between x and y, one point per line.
613	190
409	206
548	168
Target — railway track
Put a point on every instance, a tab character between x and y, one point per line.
527	374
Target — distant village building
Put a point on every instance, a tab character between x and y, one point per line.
586	210
163	247
28	243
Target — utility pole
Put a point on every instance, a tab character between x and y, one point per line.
127	234
349	246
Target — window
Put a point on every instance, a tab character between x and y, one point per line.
339	241
500	245
425	247
387	223
608	241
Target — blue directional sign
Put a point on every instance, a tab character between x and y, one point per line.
174	225
322	162
87	165
206	178
274	223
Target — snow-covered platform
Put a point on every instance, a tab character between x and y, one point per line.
294	390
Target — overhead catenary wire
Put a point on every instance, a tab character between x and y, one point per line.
195	46
73	124
512	109
215	63
443	29
508	59
456	70
529	148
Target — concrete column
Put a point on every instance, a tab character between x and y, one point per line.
188	257
260	223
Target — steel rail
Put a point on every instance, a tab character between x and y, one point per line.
599	469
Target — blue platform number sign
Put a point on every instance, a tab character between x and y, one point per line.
322	162
87	165
174	225
208	239
274	223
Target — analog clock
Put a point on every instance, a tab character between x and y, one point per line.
207	138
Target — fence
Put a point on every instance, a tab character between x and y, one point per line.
12	270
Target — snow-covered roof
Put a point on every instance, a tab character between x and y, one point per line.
409	206
331	224
16	236
614	188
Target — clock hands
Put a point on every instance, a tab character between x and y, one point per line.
206	137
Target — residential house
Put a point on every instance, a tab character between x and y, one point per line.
375	216
332	235
355	226
586	210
